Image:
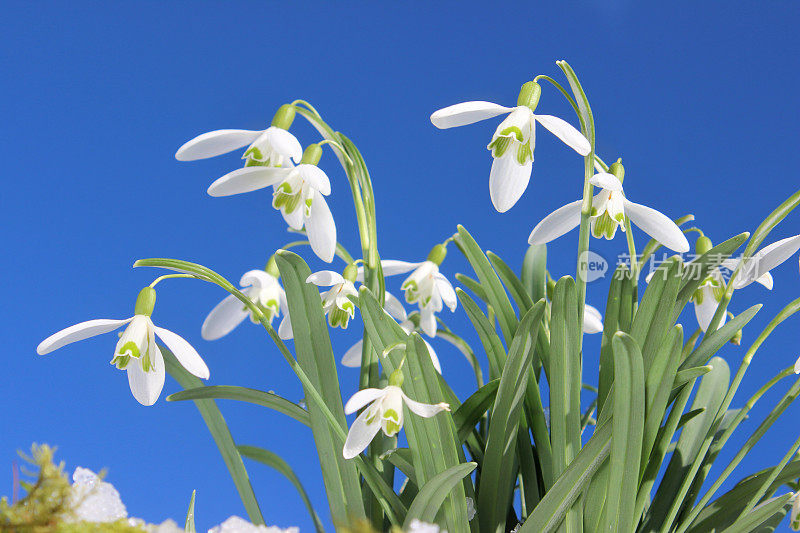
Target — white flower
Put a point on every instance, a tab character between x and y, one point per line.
592	320
335	302
298	193
262	288
273	147
393	307
385	411
136	352
512	144
609	209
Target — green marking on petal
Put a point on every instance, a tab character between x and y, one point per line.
515	131
391	428
121	361
131	347
391	414
498	146
524	153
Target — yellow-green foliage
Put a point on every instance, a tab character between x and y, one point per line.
48	505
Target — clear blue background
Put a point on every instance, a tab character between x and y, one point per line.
699	98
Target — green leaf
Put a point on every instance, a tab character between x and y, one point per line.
722	512
471	411
315	356
611	324
770	222
472	285
189	527
495	293
497	470
550	512
433	493
242	394
685	376
275	461
585	111
534	271
691	447
626	438
760	514
716	340
565	375
512	283
221	434
492	344
401	458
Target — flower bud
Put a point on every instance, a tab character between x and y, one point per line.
702	245
529	95
437	255
311	155
284	117
350	272
617	169
145	302
737	338
396	378
272	268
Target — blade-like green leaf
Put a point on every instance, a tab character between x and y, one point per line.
495	293
626	438
189	526
221	434
769	223
242	394
275	461
691	448
550	512
716	340
471	411
761	514
685	376
492	344
433	493
472	285
497	471
534	271
401	458
513	284
315	356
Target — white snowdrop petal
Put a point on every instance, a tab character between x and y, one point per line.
285	329
258	278
434	358
360	435
247	179
295	219
362	398
657	225
352	357
427	322
325	278
79	332
606	181
215	143
508	180
566	132
225	316
391	267
592	320
424	410
186	355
316	178
773	255
393	306
466	113
705	311
321	229
766	280
285	143
146	386
446	291
557	223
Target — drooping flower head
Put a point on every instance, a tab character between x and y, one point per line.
262	287
514	140
384	411
136	351
610	207
336	301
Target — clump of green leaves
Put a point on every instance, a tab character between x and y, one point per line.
49	505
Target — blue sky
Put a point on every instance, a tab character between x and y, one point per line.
697	98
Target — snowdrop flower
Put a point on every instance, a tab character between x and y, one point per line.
592	320
384	412
794	517
393	307
272	147
136	351
609	209
426	286
336	302
298	193
514	140
263	289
